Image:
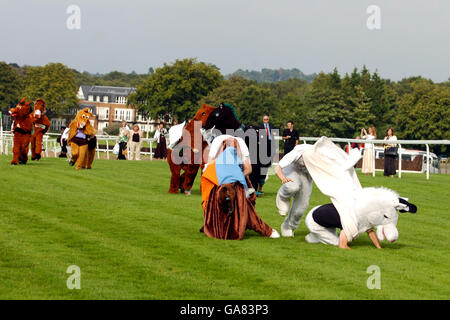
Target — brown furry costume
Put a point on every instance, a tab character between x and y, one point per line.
40	126
186	180
22	131
82	140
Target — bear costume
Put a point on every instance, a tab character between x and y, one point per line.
82	140
21	128
41	124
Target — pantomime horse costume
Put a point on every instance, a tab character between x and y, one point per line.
41	124
184	153
22	127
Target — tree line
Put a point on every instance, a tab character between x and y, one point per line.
329	104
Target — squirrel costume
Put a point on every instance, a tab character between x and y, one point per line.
21	128
41	124
82	140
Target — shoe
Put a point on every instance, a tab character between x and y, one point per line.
286	232
187	193
282	206
275	234
259	194
310	238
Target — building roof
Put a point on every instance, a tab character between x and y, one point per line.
112	92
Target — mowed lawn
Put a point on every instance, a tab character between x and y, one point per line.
132	240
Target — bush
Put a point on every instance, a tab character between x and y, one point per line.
112	130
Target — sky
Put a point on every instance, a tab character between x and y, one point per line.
413	37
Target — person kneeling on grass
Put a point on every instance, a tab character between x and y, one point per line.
374	208
227	206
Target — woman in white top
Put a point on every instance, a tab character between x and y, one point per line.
368	163
389	159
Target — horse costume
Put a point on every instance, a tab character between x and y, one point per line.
41	124
354	209
227	210
186	142
21	127
374	208
224	119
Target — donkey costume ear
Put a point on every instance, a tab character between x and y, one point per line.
405	206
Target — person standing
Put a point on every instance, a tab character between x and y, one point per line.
290	137
268	135
160	137
123	140
135	138
368	161
389	157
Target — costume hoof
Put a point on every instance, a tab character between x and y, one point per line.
275	234
286	232
71	163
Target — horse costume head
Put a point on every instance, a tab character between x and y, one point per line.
203	113
21	110
224	117
39	108
381	206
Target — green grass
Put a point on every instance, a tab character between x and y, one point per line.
132	240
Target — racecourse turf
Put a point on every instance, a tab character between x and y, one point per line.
133	240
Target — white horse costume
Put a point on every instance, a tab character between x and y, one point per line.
333	172
374	208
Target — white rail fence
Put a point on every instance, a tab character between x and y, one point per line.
105	144
399	143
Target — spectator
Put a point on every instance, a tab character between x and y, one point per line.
267	127
62	140
135	138
368	163
160	137
290	137
123	140
390	152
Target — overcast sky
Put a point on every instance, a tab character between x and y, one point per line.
311	35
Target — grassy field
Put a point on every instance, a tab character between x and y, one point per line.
132	240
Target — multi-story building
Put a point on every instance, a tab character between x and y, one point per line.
109	105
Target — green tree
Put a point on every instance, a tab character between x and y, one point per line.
328	114
55	83
176	89
424	113
10	86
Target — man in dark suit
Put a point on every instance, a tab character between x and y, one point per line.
267	134
290	137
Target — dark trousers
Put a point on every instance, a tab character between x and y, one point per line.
122	147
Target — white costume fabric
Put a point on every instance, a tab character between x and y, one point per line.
333	172
217	144
299	189
175	134
374	208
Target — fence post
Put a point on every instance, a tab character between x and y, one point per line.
98	151
107	148
373	160
399	161
151	150
428	161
